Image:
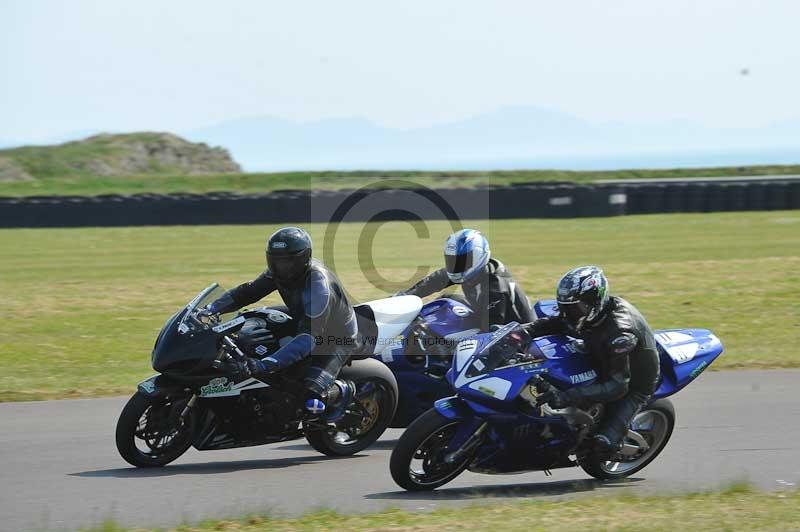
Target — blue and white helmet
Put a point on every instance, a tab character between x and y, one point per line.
466	254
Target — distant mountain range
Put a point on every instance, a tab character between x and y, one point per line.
521	137
509	138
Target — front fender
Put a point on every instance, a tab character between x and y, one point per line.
453	408
158	385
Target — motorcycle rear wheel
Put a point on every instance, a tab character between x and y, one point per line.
379	410
149	432
655	423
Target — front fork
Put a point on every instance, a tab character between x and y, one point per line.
468	446
189	405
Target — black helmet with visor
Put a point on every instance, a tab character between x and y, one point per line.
582	296
288	254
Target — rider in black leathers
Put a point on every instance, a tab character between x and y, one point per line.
489	289
620	345
326	322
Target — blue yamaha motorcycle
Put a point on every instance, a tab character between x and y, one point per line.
493	424
420	355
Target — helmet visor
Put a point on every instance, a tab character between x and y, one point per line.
574	312
458	263
287	267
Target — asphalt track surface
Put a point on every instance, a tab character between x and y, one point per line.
59	468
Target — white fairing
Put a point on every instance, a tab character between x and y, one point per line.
392	316
464	351
492	386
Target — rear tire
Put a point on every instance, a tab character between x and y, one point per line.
662	417
361	372
422	436
129	430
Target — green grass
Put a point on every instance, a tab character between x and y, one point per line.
736	508
82	307
55	175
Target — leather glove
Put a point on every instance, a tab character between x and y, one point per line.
257	366
207	313
239	370
552	396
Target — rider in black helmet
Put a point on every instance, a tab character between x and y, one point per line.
620	345
318	303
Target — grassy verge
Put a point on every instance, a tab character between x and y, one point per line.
735	508
54	183
82	307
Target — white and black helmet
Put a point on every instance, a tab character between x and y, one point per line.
582	296
466	254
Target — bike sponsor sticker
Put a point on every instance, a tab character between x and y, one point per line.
228	324
277	317
583	377
261	350
460	311
149	386
700	367
218	385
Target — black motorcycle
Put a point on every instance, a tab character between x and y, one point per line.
202	398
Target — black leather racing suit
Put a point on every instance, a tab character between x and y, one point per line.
493	294
326	322
623	352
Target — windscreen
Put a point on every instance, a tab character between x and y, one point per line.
507	349
191	320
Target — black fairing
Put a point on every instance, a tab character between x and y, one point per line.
184	355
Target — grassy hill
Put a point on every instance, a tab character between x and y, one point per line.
164	163
111	156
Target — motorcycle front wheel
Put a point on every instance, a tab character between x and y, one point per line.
417	462
150	431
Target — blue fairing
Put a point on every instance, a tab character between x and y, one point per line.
684	353
489	376
448	316
420	373
545	308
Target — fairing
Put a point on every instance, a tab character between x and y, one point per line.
524	438
446	317
684	354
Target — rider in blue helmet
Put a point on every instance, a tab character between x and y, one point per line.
488	286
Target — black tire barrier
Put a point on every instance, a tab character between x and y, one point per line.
736	196
527	201
756	197
696	197
793	194
298	206
776	197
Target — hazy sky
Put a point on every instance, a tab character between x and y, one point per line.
69	66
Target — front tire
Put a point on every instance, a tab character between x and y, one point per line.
149	430
424	441
655	423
